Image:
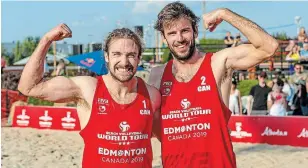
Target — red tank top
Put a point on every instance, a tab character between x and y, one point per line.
118	135
194	121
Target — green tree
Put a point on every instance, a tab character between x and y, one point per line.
26	48
281	36
166	55
17	52
87	50
147	58
7	57
3	51
211	41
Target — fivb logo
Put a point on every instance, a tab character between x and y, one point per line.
124	126
102	105
102	109
166	88
185	104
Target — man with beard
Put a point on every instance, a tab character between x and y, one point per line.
115	110
195	86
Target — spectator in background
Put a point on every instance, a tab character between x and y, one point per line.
289	89
238	40
293	55
270	83
235	103
61	68
302	96
229	40
258	96
3	63
298	75
290	45
301	36
46	69
304	52
276	100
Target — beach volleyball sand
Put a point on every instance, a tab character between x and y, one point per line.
33	148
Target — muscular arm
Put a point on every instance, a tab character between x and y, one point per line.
245	56
58	89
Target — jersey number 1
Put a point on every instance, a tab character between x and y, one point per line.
144	104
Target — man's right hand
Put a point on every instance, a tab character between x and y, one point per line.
58	33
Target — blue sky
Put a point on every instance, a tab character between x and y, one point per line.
91	21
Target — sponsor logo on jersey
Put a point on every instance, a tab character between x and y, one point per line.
166	88
185	104
124	126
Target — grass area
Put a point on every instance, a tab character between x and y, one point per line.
245	86
39	102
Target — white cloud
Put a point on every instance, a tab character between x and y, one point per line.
148	6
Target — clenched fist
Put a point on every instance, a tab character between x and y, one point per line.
212	20
58	33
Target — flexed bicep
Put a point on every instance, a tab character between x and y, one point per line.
57	89
242	57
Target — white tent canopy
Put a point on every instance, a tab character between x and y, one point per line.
50	59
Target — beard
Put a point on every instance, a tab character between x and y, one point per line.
122	78
190	53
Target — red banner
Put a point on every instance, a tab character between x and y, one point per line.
8	97
291	130
46	118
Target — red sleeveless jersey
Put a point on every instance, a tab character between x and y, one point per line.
194	121
118	135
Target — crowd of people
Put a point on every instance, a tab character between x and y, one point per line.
279	96
298	49
276	97
230	41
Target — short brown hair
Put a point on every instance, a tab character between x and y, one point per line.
124	33
174	11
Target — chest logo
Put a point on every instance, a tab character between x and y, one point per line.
185	104
124	126
102	103
166	88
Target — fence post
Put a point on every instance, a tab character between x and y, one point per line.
7	103
154	54
281	62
